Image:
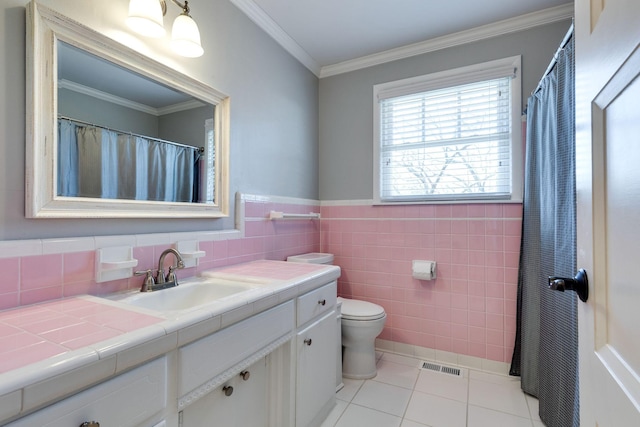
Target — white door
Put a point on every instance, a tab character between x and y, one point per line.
608	198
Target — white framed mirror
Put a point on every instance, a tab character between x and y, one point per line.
112	133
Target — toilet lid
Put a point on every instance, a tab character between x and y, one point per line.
353	309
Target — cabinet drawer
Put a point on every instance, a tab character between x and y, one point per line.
316	302
205	359
126	400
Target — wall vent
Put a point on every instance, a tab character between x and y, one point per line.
442	369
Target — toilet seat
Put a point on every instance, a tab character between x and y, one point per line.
360	310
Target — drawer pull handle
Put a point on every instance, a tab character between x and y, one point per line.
245	375
322	302
90	424
228	390
308	341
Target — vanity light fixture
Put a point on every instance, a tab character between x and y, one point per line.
146	18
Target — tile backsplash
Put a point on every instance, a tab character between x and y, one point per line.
43	270
470	309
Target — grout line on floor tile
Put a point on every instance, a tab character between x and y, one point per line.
380	357
500	411
528	398
377	410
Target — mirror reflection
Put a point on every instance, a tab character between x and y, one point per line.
124	136
104	141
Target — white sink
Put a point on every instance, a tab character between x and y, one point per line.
192	293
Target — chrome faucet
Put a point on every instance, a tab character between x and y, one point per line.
170	279
161	281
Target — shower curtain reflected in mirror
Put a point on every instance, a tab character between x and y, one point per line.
101	163
546	347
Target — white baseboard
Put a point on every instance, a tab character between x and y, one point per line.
471	362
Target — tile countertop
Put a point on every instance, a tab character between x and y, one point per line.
43	343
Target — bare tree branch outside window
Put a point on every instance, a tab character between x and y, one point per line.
447	142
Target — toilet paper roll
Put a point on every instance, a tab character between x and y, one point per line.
424	270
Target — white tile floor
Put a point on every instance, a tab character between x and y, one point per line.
402	395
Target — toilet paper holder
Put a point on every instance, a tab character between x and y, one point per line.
424	270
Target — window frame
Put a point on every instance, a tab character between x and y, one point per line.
449	78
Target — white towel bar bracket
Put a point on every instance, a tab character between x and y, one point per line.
283	215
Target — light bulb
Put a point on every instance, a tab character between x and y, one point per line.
145	17
185	37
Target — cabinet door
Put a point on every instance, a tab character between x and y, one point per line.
316	370
131	399
245	406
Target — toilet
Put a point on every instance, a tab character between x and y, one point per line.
361	322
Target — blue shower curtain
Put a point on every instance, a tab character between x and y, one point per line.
97	162
546	348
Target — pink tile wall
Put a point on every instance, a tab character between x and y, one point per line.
470	308
31	279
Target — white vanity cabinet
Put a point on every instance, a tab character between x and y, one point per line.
132	399
207	363
275	368
226	378
239	402
316	356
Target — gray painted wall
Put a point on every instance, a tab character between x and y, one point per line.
186	127
346	102
274	111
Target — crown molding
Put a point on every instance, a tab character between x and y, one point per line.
264	21
104	96
519	23
181	106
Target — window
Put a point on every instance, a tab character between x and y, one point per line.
210	169
450	136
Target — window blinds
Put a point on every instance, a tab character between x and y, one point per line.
447	143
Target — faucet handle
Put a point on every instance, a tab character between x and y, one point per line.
147	285
171	275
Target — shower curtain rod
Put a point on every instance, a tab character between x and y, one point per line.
554	60
81	122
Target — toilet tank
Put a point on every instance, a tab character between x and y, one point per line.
312	258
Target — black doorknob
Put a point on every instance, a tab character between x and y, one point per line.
579	284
